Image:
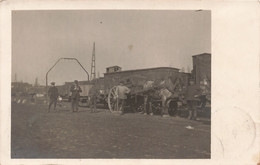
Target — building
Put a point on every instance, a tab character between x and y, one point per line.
139	76
84	85
38	89
20	87
64	90
201	67
113	69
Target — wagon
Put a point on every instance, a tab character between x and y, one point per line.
135	99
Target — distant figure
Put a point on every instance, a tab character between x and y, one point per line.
122	91
53	94
191	95
204	88
93	94
75	95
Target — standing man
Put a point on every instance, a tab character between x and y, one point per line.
75	95
204	91
53	94
191	93
121	92
93	94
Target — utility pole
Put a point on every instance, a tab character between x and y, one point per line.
93	64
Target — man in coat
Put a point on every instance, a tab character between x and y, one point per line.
204	87
191	94
75	95
122	92
53	95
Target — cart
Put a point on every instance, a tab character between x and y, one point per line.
135	100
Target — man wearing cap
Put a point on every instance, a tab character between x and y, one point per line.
191	93
75	95
53	94
204	88
122	91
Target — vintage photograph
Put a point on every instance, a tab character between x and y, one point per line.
111	84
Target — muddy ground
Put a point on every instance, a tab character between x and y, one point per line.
62	134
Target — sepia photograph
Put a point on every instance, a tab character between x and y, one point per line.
111	84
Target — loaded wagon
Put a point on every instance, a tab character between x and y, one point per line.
157	96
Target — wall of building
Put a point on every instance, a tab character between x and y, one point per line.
139	77
113	69
20	87
201	67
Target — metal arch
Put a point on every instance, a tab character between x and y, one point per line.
56	64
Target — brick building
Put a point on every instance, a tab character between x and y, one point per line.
201	67
139	76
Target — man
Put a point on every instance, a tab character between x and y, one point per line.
53	94
93	94
75	95
191	94
147	99
204	91
147	110
121	92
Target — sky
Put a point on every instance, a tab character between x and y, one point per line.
132	39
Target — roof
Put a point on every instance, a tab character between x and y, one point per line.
80	82
203	54
142	70
85	82
114	66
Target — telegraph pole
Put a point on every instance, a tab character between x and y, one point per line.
93	64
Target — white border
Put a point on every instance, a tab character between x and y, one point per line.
235	70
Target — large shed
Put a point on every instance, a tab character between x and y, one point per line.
201	67
139	76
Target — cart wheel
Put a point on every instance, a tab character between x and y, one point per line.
113	100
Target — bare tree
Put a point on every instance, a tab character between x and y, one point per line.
188	69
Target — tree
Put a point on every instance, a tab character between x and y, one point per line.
36	82
188	69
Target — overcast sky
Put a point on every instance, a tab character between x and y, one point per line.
132	39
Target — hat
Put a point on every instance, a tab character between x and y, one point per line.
76	81
52	83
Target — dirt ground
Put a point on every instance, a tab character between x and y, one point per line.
62	134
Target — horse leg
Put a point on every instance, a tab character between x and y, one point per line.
164	107
145	105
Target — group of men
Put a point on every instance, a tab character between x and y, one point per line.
192	95
75	96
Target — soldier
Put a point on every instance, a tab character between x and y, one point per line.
75	95
93	94
204	91
53	94
147	99
191	94
122	91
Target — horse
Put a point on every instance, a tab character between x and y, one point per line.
164	90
